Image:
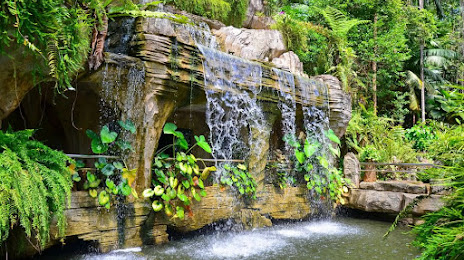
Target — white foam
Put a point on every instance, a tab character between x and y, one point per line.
246	245
126	250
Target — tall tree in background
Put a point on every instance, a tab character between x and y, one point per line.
421	6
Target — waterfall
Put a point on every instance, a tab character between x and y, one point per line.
231	110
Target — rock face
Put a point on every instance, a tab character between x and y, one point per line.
289	61
16	79
393	196
255	18
263	45
340	104
352	169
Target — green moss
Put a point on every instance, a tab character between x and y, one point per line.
231	12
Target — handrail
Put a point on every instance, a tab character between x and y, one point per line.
399	164
91	156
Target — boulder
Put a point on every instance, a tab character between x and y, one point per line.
352	169
289	61
255	18
262	45
398	186
339	102
376	201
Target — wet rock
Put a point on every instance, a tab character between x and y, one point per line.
289	61
398	186
339	102
430	204
263	45
352	169
376	201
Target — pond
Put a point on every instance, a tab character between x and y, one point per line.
341	238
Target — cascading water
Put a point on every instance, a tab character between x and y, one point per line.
232	111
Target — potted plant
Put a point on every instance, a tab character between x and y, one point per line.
369	154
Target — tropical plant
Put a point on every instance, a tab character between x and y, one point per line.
313	165
59	31
35	186
231	12
422	136
239	179
112	176
177	182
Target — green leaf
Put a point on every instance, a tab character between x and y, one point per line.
98	147
186	184
200	184
203	193
182	197
76	177
93	193
165	197
180	212
169	128
79	164
197	197
310	148
242	167
118	165
91	134
109	184
128	125
157	206
107	136
103	198
91	177
108	170
124	145
125	189
323	161
332	136
335	151
108	205
201	141
148	193
182	143
300	156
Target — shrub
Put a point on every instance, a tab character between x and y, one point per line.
35	185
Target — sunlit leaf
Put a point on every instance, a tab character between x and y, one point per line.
107	136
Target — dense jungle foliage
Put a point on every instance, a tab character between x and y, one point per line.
385	53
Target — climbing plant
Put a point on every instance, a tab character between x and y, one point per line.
239	178
310	162
112	176
35	186
177	182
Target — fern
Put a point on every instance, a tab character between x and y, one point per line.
35	185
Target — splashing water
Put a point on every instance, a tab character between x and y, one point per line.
231	111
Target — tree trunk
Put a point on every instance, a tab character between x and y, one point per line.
421	6
374	65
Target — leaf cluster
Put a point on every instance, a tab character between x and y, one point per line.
239	178
176	183
35	186
111	177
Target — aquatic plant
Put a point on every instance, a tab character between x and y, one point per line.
177	182
240	179
111	177
35	186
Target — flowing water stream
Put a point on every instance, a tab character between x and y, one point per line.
338	239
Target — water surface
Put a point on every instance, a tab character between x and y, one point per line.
344	238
